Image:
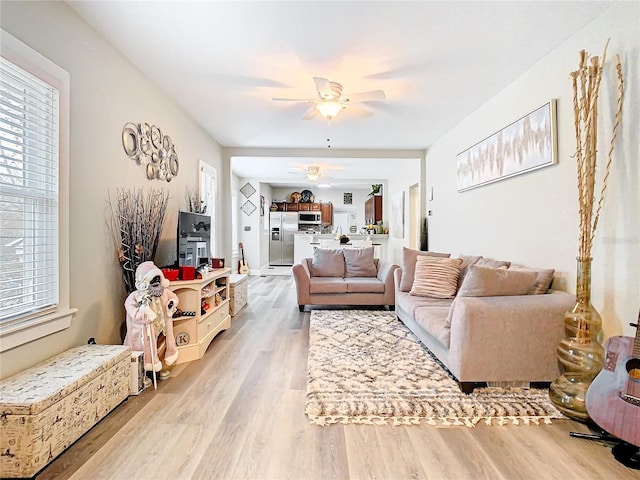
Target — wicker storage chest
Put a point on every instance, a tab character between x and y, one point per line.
237	292
46	408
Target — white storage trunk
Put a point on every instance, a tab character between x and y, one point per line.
46	408
237	292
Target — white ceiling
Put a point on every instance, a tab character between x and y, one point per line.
336	172
437	62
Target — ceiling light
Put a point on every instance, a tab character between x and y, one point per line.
329	109
313	173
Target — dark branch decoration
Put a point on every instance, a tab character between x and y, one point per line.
136	223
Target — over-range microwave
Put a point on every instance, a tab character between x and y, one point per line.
309	218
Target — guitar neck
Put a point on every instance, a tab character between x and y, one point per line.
636	342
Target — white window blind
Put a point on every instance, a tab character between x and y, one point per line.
29	133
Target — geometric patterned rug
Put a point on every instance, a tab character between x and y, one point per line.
366	367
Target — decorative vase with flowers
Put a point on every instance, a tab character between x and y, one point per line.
580	353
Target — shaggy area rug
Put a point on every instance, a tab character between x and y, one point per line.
366	367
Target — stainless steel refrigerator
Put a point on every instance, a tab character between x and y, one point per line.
283	226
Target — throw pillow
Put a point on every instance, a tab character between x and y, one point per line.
490	262
436	277
359	262
409	257
543	279
327	262
467	261
489	282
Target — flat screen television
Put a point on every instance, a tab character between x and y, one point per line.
194	239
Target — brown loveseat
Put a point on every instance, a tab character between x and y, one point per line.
344	277
500	324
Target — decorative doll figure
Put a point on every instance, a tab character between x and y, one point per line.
150	311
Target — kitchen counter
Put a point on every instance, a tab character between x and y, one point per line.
304	243
373	244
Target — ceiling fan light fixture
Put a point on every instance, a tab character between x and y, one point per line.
329	109
313	173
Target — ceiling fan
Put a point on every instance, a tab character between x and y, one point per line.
311	173
331	101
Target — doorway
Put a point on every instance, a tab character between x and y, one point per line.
414	216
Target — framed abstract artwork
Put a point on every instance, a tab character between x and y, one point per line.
527	144
248	207
247	190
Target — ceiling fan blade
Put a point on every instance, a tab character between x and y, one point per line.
312	113
305	100
359	111
364	96
323	86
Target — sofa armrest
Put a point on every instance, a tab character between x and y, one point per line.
397	276
507	338
386	271
302	277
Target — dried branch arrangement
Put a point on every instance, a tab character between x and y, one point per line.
586	86
136	222
193	205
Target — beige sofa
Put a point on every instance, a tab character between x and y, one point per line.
502	324
344	277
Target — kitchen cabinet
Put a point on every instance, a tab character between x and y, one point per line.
373	209
326	213
297	207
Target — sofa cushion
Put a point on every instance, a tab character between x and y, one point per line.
363	285
435	320
327	285
436	277
359	262
409	303
327	262
543	279
409	257
488	282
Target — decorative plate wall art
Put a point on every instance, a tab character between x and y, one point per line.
152	150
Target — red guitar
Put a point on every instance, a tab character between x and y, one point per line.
613	399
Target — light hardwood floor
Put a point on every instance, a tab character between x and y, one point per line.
239	413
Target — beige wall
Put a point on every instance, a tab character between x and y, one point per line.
106	92
532	218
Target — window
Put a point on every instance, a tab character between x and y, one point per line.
34	272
